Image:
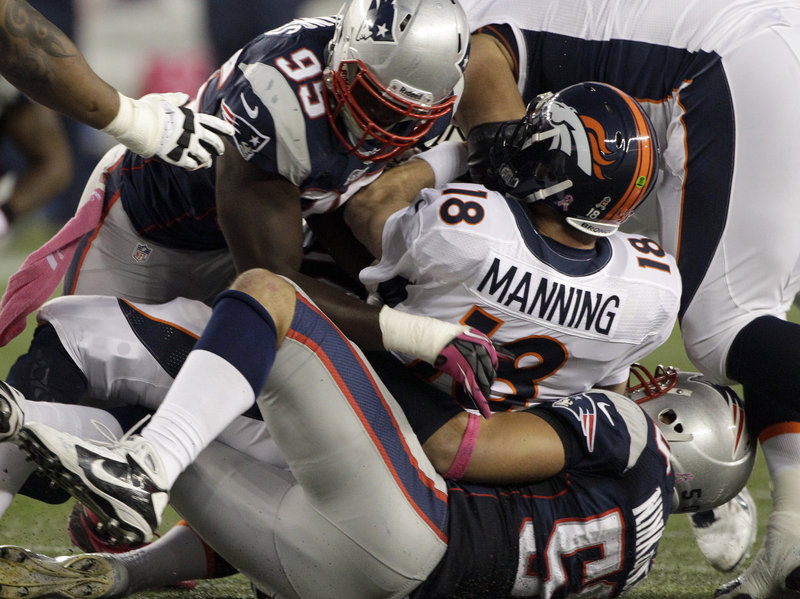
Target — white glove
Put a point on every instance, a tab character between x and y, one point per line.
157	125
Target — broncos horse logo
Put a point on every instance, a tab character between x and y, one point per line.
379	23
582	133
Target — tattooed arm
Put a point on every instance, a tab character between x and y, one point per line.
39	59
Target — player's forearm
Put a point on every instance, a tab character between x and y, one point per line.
510	448
367	211
356	319
39	59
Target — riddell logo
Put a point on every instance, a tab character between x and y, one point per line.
410	93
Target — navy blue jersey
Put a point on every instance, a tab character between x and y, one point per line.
272	92
597	525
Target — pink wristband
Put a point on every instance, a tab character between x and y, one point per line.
464	453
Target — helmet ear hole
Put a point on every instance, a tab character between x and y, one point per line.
668	417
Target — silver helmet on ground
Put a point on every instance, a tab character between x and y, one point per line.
712	452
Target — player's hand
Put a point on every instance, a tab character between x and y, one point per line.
189	138
157	125
470	359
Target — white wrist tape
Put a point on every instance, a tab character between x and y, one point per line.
419	336
448	160
137	126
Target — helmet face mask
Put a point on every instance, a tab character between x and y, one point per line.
377	125
588	151
382	91
712	452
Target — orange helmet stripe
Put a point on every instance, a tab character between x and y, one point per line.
644	166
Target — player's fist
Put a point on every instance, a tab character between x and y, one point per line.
470	359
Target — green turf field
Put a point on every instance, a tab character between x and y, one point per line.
680	571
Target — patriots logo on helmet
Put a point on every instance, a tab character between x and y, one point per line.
737	413
379	23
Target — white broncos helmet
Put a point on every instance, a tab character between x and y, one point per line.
394	67
704	424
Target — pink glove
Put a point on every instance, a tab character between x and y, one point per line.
470	359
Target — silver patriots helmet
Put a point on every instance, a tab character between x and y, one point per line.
712	452
394	67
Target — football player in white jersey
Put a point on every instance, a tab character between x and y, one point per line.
727	190
575	301
368	515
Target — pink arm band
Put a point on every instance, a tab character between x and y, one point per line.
464	453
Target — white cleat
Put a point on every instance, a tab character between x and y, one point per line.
28	575
122	482
12	411
726	534
775	571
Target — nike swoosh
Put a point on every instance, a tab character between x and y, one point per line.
251	112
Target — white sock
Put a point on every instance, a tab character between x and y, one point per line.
207	395
786	491
14	471
781	452
178	555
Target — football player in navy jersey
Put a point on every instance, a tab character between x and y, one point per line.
318	106
726	188
582	510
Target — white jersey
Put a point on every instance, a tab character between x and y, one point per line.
715	77
129	352
574	319
718	26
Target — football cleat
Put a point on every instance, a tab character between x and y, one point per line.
122	481
725	535
12	411
775	571
27	574
87	534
